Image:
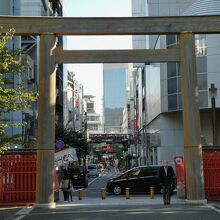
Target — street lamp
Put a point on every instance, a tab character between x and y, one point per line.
213	95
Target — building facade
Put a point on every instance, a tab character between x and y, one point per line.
30	50
93	121
160	120
114	95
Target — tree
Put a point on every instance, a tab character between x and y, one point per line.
12	97
74	139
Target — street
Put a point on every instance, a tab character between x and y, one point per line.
118	207
130	212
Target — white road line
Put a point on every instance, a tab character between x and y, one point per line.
211	206
21	213
93	180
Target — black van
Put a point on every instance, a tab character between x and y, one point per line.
138	180
78	176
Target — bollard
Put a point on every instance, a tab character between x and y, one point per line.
103	193
152	192
80	194
127	193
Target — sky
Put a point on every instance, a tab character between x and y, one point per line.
90	75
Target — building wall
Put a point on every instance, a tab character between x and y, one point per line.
30	46
169	122
164	125
114	85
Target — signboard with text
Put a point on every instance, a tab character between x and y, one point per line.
180	175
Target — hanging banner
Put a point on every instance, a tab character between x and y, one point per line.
180	175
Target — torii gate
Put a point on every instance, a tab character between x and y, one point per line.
50	55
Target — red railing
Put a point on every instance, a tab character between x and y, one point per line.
17	178
211	164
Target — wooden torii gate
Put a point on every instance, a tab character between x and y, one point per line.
50	55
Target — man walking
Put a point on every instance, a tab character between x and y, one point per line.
166	175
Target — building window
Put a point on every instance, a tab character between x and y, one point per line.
200	44
172	102
203	99
179	85
180	101
202	81
171	70
201	64
172	85
171	39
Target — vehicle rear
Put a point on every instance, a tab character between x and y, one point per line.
78	176
93	170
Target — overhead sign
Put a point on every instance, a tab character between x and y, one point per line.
65	156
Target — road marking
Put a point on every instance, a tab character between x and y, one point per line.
214	207
21	213
93	180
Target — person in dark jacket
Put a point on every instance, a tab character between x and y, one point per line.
166	175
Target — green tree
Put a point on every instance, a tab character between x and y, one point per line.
12	97
74	139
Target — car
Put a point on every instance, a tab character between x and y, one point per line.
138	180
93	170
78	176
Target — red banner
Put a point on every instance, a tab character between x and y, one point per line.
135	123
108	148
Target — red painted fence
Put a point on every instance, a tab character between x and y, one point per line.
17	178
211	164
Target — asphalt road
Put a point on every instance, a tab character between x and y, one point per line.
96	184
134	212
117	207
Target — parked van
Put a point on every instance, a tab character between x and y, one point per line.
93	170
78	176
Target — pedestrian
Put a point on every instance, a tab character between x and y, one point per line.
167	177
71	191
65	184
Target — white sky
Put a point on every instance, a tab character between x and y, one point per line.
90	75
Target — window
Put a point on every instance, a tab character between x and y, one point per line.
171	39
134	173
179	101
201	64
172	85
179	84
172	102
90	105
203	99
202	81
171	70
200	43
150	171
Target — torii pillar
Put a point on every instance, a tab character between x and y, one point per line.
46	122
191	120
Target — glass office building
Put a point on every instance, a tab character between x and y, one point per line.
114	86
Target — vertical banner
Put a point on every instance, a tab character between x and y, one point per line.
180	175
129	117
